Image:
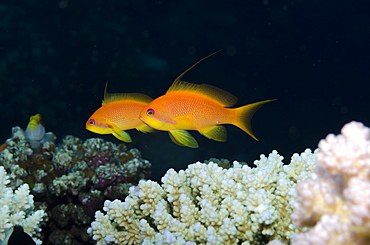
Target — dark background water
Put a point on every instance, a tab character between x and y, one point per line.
313	55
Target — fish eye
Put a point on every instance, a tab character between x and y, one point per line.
91	122
150	112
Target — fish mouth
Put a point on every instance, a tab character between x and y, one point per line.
143	120
99	129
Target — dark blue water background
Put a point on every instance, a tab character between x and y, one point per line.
313	55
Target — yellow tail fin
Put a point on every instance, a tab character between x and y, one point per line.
244	116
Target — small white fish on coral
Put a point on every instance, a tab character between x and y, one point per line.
35	133
333	204
207	204
16	209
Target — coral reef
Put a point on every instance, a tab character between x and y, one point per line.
17	208
334	202
208	204
72	180
321	197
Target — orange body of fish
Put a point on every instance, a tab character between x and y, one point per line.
119	112
200	107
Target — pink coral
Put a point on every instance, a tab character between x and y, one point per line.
98	160
335	201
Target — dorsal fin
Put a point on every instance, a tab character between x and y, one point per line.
113	97
223	97
196	63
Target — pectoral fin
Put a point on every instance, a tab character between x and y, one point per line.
217	133
146	129
183	138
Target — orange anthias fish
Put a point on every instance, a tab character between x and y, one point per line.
201	107
119	112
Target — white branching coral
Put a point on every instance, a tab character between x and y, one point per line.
335	201
16	209
207	204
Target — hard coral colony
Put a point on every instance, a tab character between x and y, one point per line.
17	209
70	182
269	204
207	204
334	201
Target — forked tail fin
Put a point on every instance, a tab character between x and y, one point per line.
244	116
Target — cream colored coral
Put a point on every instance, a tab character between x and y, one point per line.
15	209
207	204
335	201
347	154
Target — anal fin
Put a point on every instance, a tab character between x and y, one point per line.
217	133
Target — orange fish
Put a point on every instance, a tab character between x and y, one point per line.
119	112
2	147
201	107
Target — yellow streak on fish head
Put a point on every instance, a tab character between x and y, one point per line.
34	122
